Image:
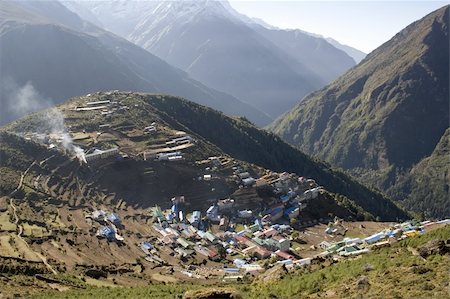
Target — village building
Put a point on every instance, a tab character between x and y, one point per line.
195	218
258	251
244	175
283	255
184	243
114	218
168	156
101	154
247	182
253	268
225	204
213	213
223	223
107	232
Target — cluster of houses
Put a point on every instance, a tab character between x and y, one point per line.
253	243
109	223
106	106
264	234
173	150
395	233
248	249
292	193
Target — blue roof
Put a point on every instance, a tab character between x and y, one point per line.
231	270
147	245
291	209
284	198
113	217
107	231
239	262
276	210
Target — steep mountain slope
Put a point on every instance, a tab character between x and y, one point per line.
227	50
426	186
203	39
385	115
118	16
49	54
316	53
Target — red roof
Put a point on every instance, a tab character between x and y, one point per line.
262	251
241	239
270	232
278	237
212	252
284	255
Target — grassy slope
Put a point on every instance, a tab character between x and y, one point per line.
391	272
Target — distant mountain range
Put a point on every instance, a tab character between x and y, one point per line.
269	68
49	54
386	120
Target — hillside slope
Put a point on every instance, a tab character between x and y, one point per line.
246	142
87	186
385	115
316	53
49	54
426	186
242	141
387	273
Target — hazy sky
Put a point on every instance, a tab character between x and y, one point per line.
364	25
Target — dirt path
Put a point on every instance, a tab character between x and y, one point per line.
19	226
45	160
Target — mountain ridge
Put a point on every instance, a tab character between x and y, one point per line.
105	60
373	120
229	51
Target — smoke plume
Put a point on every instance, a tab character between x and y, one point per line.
25	99
53	122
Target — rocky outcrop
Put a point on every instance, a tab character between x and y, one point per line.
435	247
214	293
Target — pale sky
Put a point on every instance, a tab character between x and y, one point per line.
364	25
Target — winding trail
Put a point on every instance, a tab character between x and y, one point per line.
19	226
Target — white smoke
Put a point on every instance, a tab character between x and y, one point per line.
19	100
25	99
53	120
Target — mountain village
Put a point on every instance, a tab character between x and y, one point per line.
230	238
